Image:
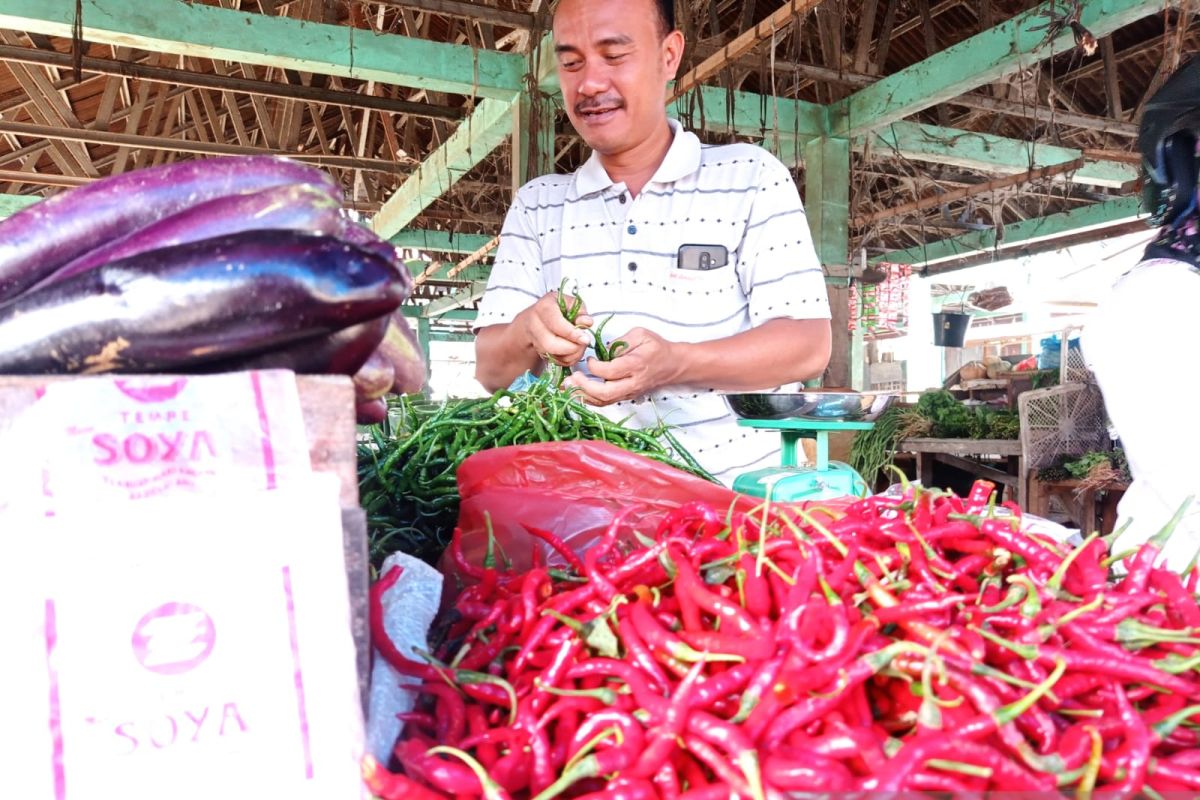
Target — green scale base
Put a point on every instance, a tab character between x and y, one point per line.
792	483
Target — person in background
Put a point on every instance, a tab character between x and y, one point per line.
1140	339
699	258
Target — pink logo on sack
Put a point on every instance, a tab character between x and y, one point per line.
147	390
174	638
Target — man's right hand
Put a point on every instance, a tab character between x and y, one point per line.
549	333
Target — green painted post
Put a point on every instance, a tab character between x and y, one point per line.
827	201
533	140
424	339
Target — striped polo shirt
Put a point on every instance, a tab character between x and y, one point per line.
621	253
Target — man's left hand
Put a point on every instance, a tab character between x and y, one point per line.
648	363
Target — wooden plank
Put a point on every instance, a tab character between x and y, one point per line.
200	79
866	30
200	29
112	90
885	37
1110	77
468	10
931	49
777	22
984	471
169	144
132	126
954	195
960	447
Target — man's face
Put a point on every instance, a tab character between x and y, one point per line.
614	65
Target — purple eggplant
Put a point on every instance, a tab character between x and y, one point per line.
38	240
295	207
341	353
183	306
362	236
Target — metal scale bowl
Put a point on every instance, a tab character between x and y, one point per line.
806	415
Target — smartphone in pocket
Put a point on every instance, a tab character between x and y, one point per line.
702	257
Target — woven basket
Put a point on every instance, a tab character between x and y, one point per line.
1067	420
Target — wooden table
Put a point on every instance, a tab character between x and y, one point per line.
955	452
1090	509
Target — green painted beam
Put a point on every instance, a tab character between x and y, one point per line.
463	297
12	203
451	336
477	135
717	110
1079	220
981	59
208	31
478	272
483	131
440	241
458	314
981	151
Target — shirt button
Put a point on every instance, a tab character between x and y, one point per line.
622	198
632	229
633	266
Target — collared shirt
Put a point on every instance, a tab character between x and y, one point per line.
621	253
1134	342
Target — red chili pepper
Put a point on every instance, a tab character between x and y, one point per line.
920	608
627	790
390	786
809	709
380	639
733	617
1143	560
1004	533
558	545
447	776
666	783
637	651
459	559
1173	771
1180	602
672	725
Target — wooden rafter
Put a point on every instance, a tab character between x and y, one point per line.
168	144
777	22
953	195
182	77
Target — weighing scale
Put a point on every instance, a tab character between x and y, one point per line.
794	483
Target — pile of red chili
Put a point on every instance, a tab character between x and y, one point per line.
914	644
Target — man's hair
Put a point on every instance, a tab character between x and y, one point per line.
666	16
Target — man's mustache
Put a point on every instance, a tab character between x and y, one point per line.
597	104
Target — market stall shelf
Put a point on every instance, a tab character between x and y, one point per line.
956	453
1090	506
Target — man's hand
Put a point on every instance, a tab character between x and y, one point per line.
648	363
549	333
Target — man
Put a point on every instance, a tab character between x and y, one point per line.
1135	338
701	255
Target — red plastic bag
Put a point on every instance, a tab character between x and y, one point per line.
573	490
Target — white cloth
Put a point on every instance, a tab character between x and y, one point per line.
1139	343
621	255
